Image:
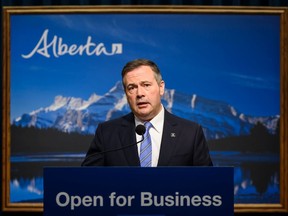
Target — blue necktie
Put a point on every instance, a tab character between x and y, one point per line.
146	148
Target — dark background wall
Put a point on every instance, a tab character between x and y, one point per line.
273	3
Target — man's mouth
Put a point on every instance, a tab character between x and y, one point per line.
140	104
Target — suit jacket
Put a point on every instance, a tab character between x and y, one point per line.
183	143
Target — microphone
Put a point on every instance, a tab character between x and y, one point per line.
140	130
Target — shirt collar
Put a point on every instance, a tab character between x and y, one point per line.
157	121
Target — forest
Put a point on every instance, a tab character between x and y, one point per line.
33	140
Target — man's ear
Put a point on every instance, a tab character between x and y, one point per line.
162	87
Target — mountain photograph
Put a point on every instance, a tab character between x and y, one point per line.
71	115
221	71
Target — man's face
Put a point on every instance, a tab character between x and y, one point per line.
143	92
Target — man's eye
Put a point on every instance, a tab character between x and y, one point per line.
130	87
146	84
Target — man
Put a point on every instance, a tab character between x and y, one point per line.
175	141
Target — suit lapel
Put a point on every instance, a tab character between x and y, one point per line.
127	137
168	142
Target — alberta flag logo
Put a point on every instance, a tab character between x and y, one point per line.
117	48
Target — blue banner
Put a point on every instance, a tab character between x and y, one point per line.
115	191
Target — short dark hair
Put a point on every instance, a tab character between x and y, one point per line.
142	62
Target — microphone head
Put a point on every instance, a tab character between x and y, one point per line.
140	129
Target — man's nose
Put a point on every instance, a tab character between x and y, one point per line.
140	91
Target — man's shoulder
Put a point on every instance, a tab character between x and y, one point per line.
179	120
125	119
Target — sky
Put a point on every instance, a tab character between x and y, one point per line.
231	58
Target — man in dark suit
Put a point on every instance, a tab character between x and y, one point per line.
170	140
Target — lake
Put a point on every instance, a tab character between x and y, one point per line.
256	176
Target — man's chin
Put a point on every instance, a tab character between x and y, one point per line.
144	116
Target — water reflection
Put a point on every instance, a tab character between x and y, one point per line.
26	190
252	184
26	183
256	177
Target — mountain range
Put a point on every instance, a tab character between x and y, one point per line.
70	114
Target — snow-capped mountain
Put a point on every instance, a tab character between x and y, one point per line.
71	114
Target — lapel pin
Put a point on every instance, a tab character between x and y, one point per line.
173	134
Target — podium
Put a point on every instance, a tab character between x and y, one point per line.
135	191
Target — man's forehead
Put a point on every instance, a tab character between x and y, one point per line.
142	68
141	74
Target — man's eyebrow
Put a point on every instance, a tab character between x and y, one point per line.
146	81
131	84
141	82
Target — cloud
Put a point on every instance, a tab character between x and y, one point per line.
106	26
255	82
